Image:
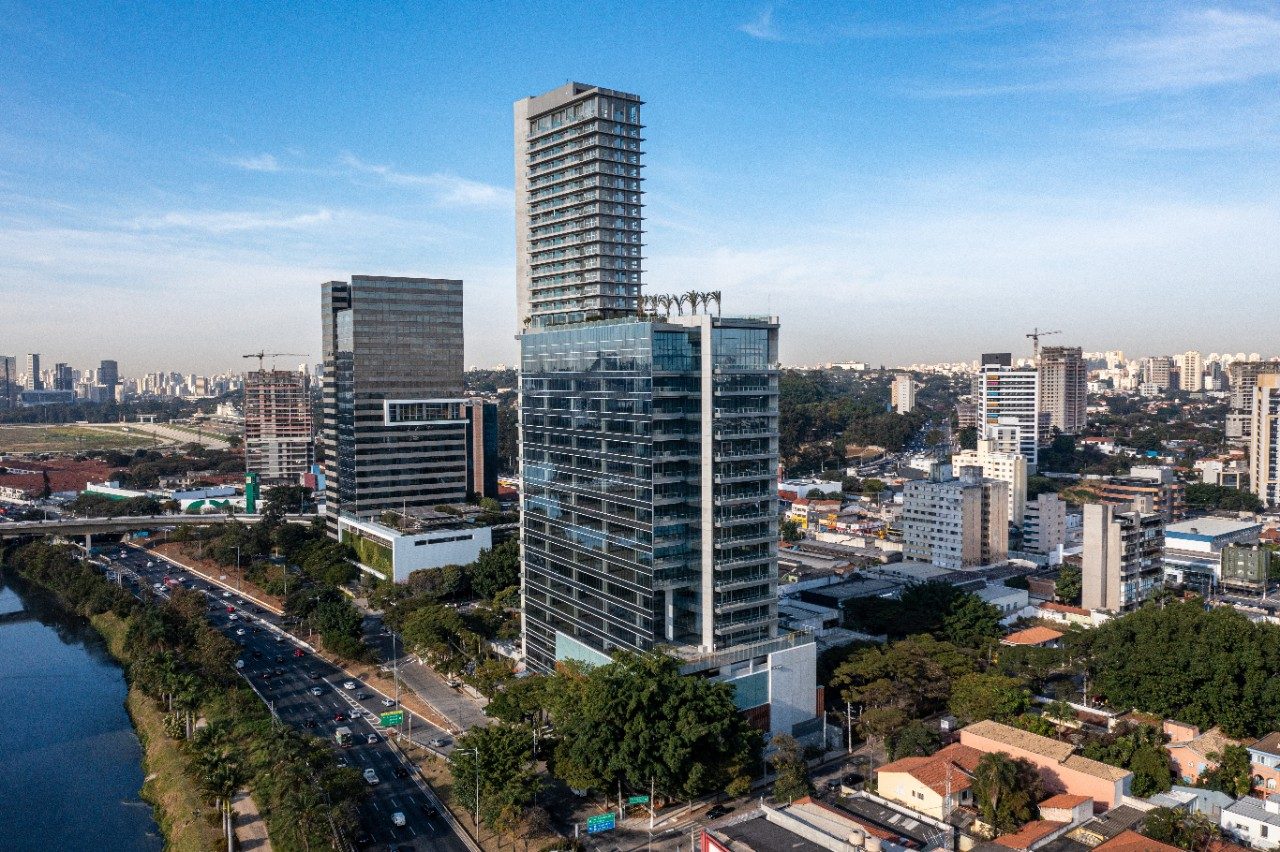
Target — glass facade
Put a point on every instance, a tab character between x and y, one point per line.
645	495
394	434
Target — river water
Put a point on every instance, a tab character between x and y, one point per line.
70	763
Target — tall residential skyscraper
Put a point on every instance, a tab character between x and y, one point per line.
1009	394
394	429
8	381
1123	556
34	382
279	440
1157	370
1063	379
903	393
63	378
1264	440
1191	370
1243	376
578	205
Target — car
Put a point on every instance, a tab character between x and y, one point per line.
231	609
233	617
371	777
279	638
719	811
387	702
342	761
339	716
310	723
315	690
427	809
226	594
852	778
401	772
239	631
150	563
397	819
371	739
277	672
297	652
350	684
833	785
240	601
313	675
440	742
279	658
362	696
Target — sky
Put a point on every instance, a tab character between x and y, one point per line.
899	183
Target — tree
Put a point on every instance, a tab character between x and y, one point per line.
916	739
972	622
975	697
1068	585
913	675
1232	775
1179	828
1006	791
790	530
499	759
882	722
873	486
496	569
637	721
792	778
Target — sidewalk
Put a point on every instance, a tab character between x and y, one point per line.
251	831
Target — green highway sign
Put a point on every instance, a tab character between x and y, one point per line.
637	800
389	720
601	822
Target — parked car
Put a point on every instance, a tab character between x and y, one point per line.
719	811
371	777
397	819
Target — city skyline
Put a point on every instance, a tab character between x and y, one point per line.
948	173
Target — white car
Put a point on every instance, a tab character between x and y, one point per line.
315	690
371	739
351	684
387	702
371	777
240	631
397	819
233	617
226	594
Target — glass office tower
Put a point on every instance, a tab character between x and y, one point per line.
649	451
394	430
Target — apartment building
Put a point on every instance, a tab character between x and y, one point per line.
1063	380
1009	394
955	521
1264	439
1007	467
279	436
1123	557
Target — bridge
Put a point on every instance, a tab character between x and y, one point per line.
90	526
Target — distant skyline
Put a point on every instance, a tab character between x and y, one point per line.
898	185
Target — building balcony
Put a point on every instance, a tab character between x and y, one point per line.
742	582
740	561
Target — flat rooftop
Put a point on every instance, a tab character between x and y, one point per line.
760	834
1209	527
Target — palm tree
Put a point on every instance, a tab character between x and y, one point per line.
694	298
221	775
714	296
1006	791
664	301
186	695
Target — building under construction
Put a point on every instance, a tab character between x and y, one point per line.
279	441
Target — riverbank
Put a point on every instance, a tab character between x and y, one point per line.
189	823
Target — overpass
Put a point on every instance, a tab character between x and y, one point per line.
90	526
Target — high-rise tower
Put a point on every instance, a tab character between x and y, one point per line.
1063	382
578	205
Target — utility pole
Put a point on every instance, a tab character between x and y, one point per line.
848	714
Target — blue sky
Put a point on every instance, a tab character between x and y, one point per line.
899	186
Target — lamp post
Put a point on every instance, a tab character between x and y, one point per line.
475	815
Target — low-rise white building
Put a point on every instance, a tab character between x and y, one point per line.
1253	821
391	554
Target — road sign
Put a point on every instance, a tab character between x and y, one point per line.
602	822
637	800
390	720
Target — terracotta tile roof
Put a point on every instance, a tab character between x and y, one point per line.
1212	741
1095	768
1132	841
1055	750
1032	636
1058	607
1270	744
1066	801
956	760
1029	833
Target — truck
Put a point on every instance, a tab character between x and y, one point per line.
343	736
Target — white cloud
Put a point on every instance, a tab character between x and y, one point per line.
224	222
762	27
447	190
259	163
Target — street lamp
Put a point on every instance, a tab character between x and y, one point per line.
475	815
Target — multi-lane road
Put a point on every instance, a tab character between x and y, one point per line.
312	695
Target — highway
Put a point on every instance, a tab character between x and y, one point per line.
286	676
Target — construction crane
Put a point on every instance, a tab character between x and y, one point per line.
1035	336
261	355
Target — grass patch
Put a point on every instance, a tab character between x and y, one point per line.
68	438
189	823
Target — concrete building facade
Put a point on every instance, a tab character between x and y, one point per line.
578	205
279	435
1123	557
1044	524
903	393
955	522
1063	380
1264	439
1011	394
1008	467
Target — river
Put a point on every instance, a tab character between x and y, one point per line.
70	763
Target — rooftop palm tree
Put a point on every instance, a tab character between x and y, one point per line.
694	298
